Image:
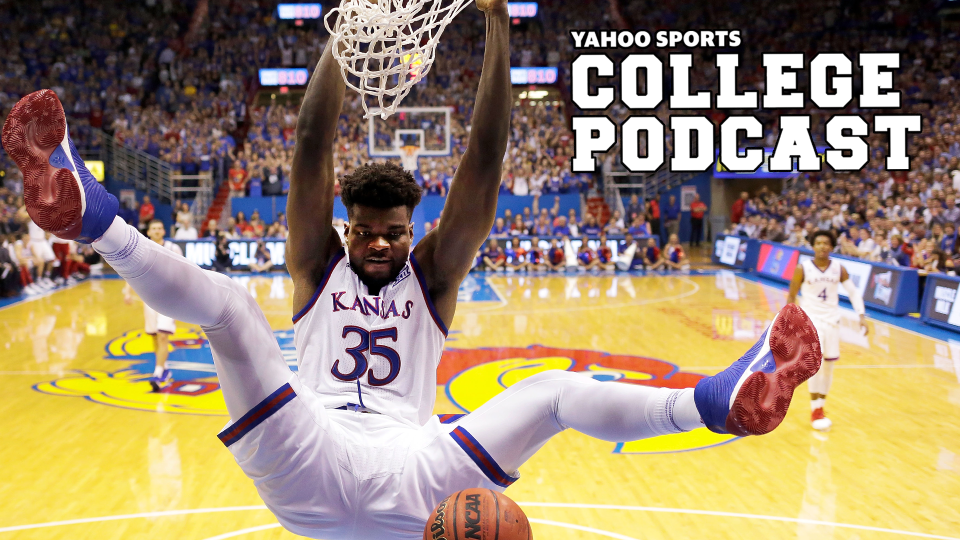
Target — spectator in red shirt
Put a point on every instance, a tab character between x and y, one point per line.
736	213
605	255
653	216
146	212
697	209
238	180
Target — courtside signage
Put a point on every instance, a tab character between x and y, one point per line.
242	251
736	251
940	302
730	249
892	289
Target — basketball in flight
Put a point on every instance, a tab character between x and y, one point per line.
477	514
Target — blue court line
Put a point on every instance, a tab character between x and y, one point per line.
905	322
4	302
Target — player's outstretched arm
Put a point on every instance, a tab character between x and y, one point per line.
856	300
311	238
446	253
795	284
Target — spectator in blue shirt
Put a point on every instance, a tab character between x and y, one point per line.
500	230
897	251
949	241
590	226
561	229
671	216
639	227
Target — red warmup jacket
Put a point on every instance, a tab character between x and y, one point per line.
736	213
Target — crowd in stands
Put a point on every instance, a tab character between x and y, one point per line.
182	93
908	220
536	163
182	97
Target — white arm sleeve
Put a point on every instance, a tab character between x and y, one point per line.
854	296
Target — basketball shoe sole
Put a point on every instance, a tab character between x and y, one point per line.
751	397
60	194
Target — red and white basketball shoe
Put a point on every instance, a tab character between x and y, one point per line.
751	396
60	194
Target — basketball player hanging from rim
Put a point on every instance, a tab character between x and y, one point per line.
348	447
816	280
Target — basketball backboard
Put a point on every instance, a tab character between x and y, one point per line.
427	128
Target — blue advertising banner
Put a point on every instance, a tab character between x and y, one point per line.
939	306
893	289
719	171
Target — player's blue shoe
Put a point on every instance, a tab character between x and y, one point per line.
751	397
60	194
157	383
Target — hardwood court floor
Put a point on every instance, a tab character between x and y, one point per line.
87	448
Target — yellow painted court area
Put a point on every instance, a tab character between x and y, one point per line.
88	452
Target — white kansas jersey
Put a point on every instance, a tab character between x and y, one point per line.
818	294
379	352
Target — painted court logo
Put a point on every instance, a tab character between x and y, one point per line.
195	390
474	376
471	377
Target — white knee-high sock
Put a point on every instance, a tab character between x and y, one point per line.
826	377
813	383
166	282
672	411
601	410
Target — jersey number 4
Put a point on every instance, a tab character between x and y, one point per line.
369	341
823	295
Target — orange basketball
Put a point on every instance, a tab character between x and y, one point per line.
477	514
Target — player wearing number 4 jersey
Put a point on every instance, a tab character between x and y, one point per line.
348	447
816	280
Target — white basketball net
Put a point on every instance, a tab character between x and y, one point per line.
388	45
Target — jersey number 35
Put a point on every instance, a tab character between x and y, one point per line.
369	341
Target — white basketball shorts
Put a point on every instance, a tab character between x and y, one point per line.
332	474
42	249
829	333
154	322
